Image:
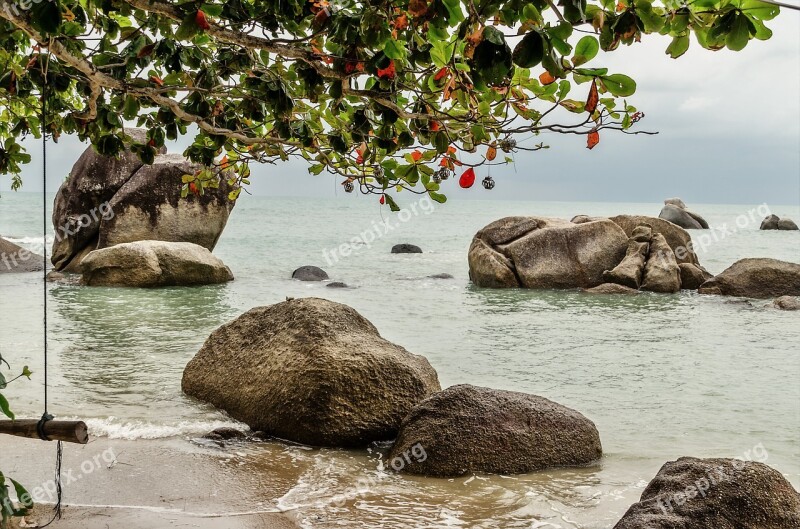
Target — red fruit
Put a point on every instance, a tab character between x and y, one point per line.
441	73
193	187
387	73
467	178
416	156
383	200
201	20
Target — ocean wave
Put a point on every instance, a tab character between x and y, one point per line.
114	428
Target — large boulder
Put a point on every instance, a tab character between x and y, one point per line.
693	493
661	273
153	264
466	429
310	371
756	278
787	224
678	239
107	201
542	252
675	211
15	258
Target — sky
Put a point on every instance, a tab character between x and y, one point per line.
728	132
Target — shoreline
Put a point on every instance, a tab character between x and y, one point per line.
147	484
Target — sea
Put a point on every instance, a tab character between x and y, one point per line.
662	376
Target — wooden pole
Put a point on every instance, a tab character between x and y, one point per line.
67	431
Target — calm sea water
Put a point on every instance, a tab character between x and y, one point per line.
662	376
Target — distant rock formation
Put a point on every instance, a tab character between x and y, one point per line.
675	211
16	259
311	371
756	278
153	264
469	429
107	201
538	252
693	493
773	222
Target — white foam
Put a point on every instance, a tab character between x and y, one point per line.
114	428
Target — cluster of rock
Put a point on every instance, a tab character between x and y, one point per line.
774	222
123	207
675	211
317	372
631	251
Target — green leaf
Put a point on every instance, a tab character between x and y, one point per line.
392	204
619	85
46	15
585	50
22	495
188	27
26	372
4	407
678	46
395	49
760	10
530	50
739	35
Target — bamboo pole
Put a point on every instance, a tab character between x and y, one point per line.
67	431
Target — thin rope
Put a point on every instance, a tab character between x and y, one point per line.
46	416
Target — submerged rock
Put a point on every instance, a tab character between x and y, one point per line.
310	273
693	493
756	278
153	264
542	252
16	259
310	371
787	303
611	288
466	429
406	248
107	201
661	272
441	276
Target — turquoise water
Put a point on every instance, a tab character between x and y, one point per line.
662	376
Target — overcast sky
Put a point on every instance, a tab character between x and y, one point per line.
728	123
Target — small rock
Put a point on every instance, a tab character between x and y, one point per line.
406	248
770	223
629	272
642	233
337	284
611	288
310	273
787	303
54	276
581	219
441	276
692	276
680	217
787	224
225	433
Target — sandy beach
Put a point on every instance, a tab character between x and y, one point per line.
145	484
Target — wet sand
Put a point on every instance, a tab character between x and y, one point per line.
111	483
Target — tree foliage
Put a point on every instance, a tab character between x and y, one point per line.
387	94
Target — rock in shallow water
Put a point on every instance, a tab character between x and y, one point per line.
107	201
310	273
611	288
756	278
406	248
16	259
466	429
661	272
693	493
310	371
153	264
542	252
787	303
